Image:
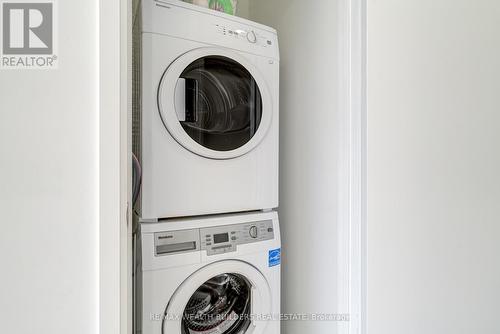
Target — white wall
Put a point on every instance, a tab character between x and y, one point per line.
433	166
243	9
49	185
309	158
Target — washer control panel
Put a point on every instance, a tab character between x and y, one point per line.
224	239
215	240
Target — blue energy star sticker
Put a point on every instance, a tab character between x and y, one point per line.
274	257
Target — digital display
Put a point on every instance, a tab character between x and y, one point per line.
220	238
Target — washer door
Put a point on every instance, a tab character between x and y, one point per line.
227	297
215	103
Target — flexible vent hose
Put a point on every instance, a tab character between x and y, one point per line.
136	178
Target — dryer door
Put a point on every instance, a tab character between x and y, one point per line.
215	103
227	297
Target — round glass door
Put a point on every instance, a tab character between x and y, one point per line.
221	305
224	297
215	103
221	105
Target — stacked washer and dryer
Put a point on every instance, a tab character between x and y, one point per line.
205	131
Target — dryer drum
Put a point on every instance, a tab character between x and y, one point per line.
223	103
220	305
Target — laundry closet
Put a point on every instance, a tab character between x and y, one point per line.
238	138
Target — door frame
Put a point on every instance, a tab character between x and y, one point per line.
114	166
353	163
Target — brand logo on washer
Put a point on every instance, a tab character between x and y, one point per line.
28	35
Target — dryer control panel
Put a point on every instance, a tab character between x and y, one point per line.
215	240
244	34
182	20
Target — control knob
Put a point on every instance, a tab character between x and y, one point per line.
252	38
253	232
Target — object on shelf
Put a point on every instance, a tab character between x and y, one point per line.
226	6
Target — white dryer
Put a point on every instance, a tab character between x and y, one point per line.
206	132
217	275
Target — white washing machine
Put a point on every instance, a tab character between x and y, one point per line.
216	275
207	133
